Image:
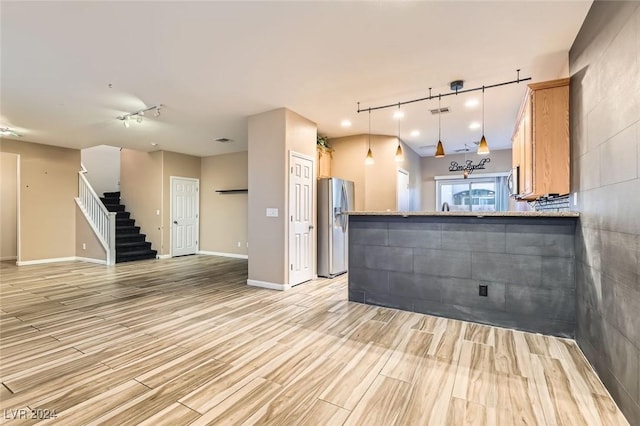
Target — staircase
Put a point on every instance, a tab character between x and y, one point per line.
130	243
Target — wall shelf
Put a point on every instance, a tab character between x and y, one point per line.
231	191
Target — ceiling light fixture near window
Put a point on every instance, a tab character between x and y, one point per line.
471	103
415	133
475	125
6	131
345	123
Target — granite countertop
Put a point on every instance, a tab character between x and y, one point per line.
470	214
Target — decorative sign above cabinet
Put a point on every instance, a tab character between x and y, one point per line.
468	167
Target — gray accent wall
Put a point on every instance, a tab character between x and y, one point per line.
434	265
605	124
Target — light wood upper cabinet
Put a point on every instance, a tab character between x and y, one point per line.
324	162
541	140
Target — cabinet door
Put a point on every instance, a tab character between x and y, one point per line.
551	136
528	148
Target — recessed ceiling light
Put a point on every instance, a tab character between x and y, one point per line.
398	115
345	123
224	140
472	103
415	133
154	144
475	125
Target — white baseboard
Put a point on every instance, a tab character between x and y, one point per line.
8	258
216	253
90	260
41	261
270	286
163	256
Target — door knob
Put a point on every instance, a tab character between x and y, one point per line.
310	227
175	222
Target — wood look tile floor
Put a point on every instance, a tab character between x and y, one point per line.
186	341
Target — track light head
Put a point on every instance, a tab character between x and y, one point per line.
139	119
156	113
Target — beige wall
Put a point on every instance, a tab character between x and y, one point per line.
223	217
48	187
8	206
431	166
267	182
178	165
141	191
375	185
87	244
271	136
347	162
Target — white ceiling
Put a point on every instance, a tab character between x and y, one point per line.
68	69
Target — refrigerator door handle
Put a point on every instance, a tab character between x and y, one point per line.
343	202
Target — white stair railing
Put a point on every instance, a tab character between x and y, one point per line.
102	221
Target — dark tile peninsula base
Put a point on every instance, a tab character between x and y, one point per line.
435	264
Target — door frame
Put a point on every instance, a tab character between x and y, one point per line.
289	227
405	172
197	181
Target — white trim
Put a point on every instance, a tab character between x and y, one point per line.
473	175
163	256
270	286
8	258
41	261
217	253
90	260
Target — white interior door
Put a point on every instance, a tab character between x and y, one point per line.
403	193
184	215
301	207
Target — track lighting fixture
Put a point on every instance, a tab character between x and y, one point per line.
138	115
483	147
399	153
369	159
440	147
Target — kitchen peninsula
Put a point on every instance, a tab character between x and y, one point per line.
509	269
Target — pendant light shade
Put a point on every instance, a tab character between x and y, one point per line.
439	150
483	147
369	159
399	154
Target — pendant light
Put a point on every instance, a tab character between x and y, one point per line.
483	147
369	160
399	153
440	147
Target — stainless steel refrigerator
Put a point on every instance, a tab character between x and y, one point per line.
335	196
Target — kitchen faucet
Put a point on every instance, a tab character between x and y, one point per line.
445	207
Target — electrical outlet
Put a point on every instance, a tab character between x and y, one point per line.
239	244
483	290
272	212
575	198
84	246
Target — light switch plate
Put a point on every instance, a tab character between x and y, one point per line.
272	212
